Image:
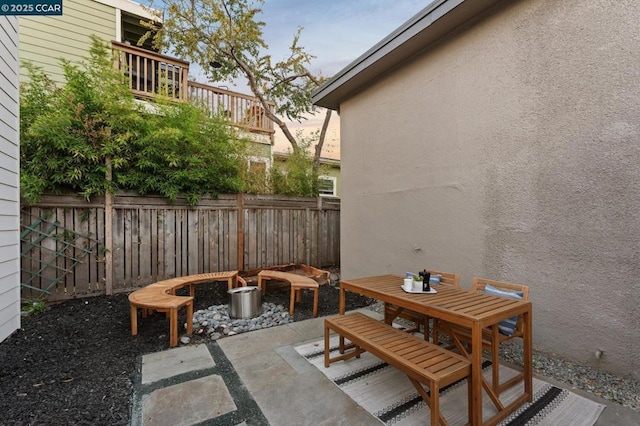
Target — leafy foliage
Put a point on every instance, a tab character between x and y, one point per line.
72	136
182	151
295	176
66	133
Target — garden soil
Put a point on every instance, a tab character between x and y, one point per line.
73	363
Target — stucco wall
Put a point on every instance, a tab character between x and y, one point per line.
511	151
9	182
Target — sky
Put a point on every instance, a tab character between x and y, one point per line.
336	32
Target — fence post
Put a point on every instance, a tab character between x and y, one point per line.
240	237
307	236
108	232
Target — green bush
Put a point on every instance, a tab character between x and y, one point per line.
296	176
69	135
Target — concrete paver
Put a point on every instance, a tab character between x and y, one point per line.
165	364
187	403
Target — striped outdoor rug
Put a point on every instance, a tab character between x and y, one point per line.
387	394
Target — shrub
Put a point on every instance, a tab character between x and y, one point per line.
70	136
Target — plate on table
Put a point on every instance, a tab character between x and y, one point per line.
431	291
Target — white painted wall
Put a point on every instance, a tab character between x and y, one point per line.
9	179
511	151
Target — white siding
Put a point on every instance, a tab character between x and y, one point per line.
9	179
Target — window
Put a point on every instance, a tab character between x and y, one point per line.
327	186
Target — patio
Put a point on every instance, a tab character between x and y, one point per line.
283	387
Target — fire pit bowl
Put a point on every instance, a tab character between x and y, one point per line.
245	302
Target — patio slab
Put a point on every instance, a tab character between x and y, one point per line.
172	362
188	403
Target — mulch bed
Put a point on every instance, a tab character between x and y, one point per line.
74	363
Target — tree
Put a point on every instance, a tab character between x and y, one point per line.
225	38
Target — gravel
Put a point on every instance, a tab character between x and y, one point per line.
215	322
619	390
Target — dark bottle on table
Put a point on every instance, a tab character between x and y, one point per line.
425	280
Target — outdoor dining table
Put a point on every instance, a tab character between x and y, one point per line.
472	310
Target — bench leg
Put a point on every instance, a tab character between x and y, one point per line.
432	400
190	317
134	320
173	327
357	350
315	302
292	301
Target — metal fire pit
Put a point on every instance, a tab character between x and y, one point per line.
245	302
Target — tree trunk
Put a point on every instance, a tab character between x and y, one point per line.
323	134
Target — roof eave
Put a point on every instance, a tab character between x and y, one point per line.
417	34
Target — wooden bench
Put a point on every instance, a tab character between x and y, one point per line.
297	282
161	297
230	277
421	361
155	298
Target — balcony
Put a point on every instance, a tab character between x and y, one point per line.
150	74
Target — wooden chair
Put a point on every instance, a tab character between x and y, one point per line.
419	319
492	337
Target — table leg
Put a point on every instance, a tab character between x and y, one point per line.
476	374
342	303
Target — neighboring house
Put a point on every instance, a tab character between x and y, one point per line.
9	181
46	39
329	177
500	139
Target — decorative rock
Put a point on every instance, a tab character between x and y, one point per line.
215	323
185	340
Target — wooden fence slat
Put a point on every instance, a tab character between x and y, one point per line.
170	253
231	255
101	254
144	248
193	252
118	249
81	270
203	244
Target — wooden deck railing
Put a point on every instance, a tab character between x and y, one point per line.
243	110
150	74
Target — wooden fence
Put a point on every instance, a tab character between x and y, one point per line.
66	250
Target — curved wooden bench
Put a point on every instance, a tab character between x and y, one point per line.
231	277
298	283
421	361
155	298
161	297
